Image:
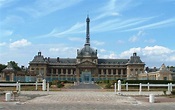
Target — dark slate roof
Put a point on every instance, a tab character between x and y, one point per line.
9	67
62	60
39	59
113	61
134	59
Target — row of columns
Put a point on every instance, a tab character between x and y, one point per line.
62	71
112	71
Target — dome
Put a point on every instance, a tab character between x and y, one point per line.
87	51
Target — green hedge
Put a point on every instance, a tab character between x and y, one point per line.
173	92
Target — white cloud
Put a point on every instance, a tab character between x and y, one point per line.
45	7
102	50
11	19
5	33
2	44
77	28
152	55
155	25
136	37
113	8
98	43
150	41
5	3
78	39
63	49
120	42
20	43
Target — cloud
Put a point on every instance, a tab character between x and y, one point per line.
45	7
63	51
120	42
77	28
10	20
159	24
112	8
98	43
136	37
5	33
2	44
150	41
77	39
5	3
119	24
152	55
102	50
20	43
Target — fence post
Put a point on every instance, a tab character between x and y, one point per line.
119	86
140	89
171	87
126	86
17	86
115	88
148	86
48	88
44	85
168	87
36	86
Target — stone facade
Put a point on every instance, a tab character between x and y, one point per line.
8	73
86	67
162	74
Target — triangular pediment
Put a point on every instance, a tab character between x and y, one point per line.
86	63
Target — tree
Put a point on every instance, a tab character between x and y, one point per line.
15	65
2	67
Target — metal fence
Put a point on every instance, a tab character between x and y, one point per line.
60	78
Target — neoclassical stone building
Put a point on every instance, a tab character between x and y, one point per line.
86	67
161	74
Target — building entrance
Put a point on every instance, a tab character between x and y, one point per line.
86	77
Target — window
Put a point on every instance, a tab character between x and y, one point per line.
165	78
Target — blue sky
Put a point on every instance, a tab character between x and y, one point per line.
117	29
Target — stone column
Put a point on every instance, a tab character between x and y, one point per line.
61	71
12	78
71	71
66	71
116	71
56	71
102	72
77	74
106	71
51	71
112	72
121	72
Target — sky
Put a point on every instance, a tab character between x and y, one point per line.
118	28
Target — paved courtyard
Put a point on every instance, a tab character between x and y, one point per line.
78	99
82	100
85	86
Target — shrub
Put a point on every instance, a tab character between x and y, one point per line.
173	92
148	81
60	84
164	92
108	86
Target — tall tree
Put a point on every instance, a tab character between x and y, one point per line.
15	65
2	67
